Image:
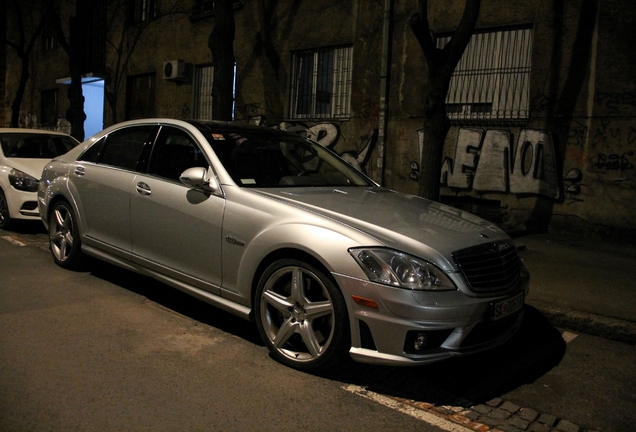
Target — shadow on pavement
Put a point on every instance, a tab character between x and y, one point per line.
532	352
26	227
175	300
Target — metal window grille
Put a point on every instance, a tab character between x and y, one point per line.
144	10
492	80
203	100
203	78
49	37
321	83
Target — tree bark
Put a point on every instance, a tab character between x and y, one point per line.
440	66
221	45
75	114
23	50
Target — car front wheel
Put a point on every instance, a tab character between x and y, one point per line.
301	316
5	218
64	236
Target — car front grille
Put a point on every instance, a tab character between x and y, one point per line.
489	267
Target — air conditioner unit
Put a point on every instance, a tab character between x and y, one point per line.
174	70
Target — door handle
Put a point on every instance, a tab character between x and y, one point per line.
143	189
80	170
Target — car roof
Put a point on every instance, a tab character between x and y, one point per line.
32	131
216	126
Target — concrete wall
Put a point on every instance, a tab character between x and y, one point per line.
582	91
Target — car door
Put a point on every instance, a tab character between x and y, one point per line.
175	228
103	178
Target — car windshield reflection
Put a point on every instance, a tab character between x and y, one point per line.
264	161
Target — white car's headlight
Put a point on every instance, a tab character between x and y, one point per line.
394	268
23	181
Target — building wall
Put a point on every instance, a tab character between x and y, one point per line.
582	114
582	98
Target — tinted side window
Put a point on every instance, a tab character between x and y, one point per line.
174	152
92	153
123	148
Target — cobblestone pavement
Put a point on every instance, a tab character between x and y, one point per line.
498	415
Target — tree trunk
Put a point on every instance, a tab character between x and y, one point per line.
19	94
75	114
221	44
436	125
441	64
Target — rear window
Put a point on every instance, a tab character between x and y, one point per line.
35	146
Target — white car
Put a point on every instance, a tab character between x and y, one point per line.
23	155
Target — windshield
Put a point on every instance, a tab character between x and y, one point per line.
35	146
271	160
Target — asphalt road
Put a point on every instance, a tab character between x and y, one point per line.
109	350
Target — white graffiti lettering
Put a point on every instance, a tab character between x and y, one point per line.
486	161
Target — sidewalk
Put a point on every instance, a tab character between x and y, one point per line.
583	285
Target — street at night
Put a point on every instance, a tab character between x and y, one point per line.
106	349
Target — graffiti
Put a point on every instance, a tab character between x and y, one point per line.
248	110
328	134
616	103
614	162
415	171
487	161
572	186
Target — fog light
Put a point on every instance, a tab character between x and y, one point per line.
420	341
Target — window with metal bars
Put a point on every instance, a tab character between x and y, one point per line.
491	83
321	83
49	37
143	10
202	88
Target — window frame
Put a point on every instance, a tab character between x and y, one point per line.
336	82
491	83
132	97
143	10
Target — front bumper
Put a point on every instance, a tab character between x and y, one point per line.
452	322
22	205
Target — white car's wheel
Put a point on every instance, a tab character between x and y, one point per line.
5	217
301	316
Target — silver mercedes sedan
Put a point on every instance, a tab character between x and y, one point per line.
277	229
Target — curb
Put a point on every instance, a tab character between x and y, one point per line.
588	323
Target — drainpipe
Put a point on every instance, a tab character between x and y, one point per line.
383	120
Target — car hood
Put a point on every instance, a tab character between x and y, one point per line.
404	222
33	167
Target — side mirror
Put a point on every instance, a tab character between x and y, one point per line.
198	178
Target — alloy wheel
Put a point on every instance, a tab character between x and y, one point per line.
61	233
297	314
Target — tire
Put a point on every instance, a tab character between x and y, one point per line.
5	217
301	316
64	239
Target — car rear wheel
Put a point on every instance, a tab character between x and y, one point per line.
64	236
301	316
5	218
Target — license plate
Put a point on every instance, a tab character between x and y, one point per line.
507	307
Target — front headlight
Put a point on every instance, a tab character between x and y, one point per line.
394	268
22	181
